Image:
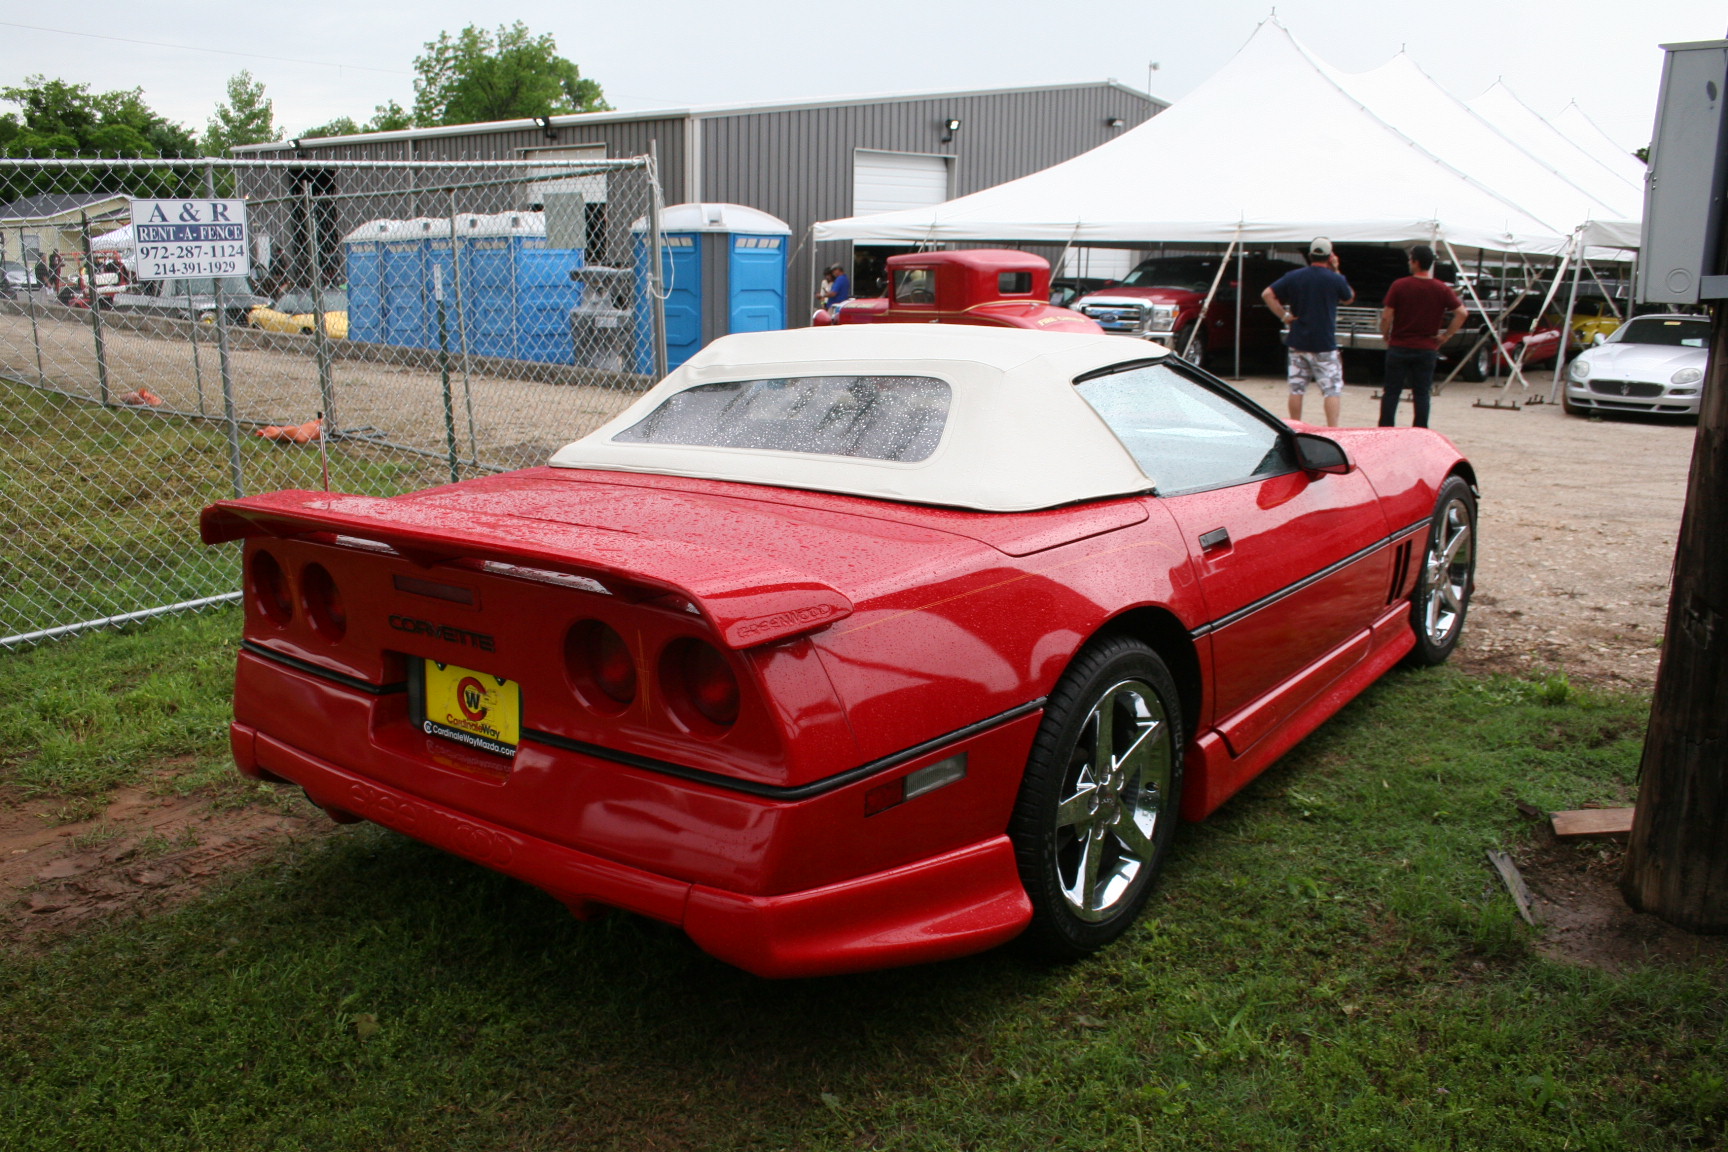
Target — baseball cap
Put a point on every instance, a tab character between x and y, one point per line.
1320	249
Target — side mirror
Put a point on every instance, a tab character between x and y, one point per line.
1598	338
1318	454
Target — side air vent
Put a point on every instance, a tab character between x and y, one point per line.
1400	569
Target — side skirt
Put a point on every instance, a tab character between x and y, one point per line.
1213	775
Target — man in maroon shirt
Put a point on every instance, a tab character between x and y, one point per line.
1410	319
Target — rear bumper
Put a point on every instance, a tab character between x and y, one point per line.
951	904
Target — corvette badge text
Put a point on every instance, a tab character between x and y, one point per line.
446	632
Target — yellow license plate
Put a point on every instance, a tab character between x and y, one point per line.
473	708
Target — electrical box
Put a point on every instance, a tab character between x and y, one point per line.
1681	258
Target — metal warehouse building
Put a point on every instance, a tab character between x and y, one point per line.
804	162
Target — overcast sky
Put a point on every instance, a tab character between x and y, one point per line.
320	59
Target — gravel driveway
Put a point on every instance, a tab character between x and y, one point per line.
1579	520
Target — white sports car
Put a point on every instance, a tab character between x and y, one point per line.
1648	364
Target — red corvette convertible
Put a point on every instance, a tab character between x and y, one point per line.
851	648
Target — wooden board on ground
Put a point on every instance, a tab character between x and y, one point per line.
1593	822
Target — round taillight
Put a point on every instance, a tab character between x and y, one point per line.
700	685
323	602
600	666
269	587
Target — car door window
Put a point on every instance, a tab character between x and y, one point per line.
1185	435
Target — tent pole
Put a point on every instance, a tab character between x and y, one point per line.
1566	329
1553	287
1241	287
1488	317
1199	331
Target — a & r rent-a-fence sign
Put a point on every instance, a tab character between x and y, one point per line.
177	239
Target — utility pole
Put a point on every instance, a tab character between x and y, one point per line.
1677	860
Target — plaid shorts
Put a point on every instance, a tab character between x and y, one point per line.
1323	368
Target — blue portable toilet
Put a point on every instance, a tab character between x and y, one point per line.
506	294
723	268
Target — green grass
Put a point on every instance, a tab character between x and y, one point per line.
112	708
99	506
1327	964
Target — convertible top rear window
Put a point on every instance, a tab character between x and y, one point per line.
898	418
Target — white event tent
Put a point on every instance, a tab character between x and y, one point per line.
1576	126
1277	147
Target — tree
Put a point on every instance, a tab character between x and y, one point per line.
1677	858
66	120
249	117
386	117
62	120
477	76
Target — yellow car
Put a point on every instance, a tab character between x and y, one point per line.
1593	321
294	313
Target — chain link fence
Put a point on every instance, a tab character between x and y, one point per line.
405	324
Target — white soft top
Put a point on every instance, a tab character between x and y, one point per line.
1019	436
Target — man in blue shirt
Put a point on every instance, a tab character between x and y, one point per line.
839	287
1307	300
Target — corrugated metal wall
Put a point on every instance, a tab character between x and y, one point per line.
621	137
797	163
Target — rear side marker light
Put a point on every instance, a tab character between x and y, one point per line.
600	666
269	586
915	784
323	601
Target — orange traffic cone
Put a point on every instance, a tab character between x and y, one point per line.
293	433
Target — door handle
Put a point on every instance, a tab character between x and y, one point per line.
1215	539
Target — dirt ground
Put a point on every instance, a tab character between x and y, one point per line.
149	850
1578	524
515	422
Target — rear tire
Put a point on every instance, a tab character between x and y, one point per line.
1447	577
1098	805
1477	366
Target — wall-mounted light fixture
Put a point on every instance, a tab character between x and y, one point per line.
545	123
949	127
1114	122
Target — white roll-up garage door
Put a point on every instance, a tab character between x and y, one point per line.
889	181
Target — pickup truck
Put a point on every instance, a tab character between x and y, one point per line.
989	286
1160	301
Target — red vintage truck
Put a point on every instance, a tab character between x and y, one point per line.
990	286
1160	301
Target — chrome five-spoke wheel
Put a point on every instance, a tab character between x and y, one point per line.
1442	594
1114	793
1099	801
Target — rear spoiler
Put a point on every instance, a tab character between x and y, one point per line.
748	600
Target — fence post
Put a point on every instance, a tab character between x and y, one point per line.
656	284
30	301
320	337
444	372
234	469
462	332
94	298
192	329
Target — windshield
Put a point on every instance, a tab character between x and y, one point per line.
896	418
296	303
1183	435
1665	330
1189	273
